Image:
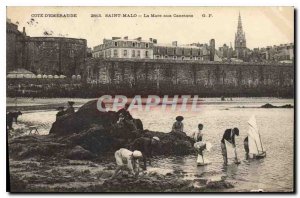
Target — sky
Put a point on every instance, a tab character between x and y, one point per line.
263	26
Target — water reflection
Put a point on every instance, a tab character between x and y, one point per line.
230	170
275	172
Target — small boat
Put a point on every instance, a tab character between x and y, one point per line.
201	160
256	149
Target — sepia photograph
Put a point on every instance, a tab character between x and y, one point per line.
150	99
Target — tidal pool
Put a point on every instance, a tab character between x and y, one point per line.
274	173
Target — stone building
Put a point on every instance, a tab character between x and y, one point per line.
55	55
118	47
182	52
125	48
15	46
282	52
225	52
275	53
44	55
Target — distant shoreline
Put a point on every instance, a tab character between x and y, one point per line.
29	104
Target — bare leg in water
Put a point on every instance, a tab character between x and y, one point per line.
224	153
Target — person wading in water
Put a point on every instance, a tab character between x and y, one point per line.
198	135
229	135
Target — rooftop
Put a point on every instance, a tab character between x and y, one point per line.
170	45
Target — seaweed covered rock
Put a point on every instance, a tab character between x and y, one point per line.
146	183
24	147
99	140
83	119
172	143
288	106
222	184
17	184
88	133
79	153
86	117
270	106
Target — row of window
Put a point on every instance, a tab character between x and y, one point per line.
125	44
121	44
134	53
137	54
179	58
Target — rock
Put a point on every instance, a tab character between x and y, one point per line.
79	153
26	147
201	181
93	165
17	184
88	133
171	143
87	172
268	106
83	119
272	106
222	184
106	175
288	106
139	124
99	133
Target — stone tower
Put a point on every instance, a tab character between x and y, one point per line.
240	40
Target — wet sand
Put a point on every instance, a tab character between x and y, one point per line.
62	175
93	176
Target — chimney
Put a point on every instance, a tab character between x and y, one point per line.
138	38
115	38
155	41
174	43
24	32
125	37
150	39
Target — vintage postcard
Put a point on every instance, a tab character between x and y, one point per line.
150	99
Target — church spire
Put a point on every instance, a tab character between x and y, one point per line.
240	39
240	26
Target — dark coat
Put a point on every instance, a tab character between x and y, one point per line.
227	136
143	144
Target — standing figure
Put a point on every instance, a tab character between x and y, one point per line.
246	147
125	117
229	136
10	117
70	109
60	112
178	125
124	113
127	159
145	145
